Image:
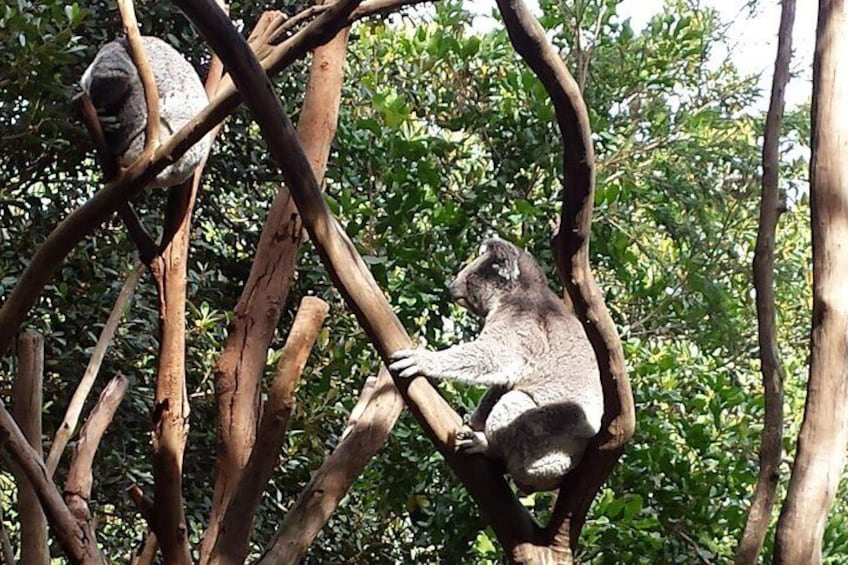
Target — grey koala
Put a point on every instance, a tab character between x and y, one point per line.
115	89
545	402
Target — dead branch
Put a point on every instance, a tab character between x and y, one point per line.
237	524
145	73
76	538
571	245
75	406
369	425
79	480
88	217
27	394
771	449
239	369
820	458
509	518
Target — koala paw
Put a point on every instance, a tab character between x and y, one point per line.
408	363
469	441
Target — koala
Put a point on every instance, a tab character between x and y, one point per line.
113	84
545	402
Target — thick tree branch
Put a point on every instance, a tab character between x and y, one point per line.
75	406
369	425
27	395
508	517
571	245
79	480
771	449
231	547
820	458
88	217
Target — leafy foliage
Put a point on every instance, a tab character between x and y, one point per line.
445	137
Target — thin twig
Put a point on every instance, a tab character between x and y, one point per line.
75	406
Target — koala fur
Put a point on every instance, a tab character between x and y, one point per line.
545	402
113	84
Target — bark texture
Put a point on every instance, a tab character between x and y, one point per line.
820	458
771	449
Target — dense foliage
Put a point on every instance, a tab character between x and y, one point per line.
444	138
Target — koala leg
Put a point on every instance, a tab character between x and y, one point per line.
531	442
477	421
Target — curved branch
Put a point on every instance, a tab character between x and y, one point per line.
571	245
145	73
510	520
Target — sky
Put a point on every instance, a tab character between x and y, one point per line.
753	40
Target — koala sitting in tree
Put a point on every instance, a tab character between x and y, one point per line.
545	402
113	84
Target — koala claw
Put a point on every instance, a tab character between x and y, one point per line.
407	363
469	441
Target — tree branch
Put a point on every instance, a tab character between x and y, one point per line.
238	372
75	406
28	393
145	73
369	425
771	448
76	538
820	459
571	246
79	480
509	518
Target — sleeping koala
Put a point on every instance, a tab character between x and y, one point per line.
545	402
115	89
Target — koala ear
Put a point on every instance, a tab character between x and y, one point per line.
505	257
508	270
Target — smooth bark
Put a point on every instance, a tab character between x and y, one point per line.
510	520
820	457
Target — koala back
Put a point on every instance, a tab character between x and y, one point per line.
113	84
526	319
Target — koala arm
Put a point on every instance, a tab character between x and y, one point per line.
480	362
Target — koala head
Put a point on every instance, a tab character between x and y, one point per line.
109	77
500	270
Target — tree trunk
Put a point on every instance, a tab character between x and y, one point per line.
27	413
821	444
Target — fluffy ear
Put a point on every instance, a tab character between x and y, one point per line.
505	257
